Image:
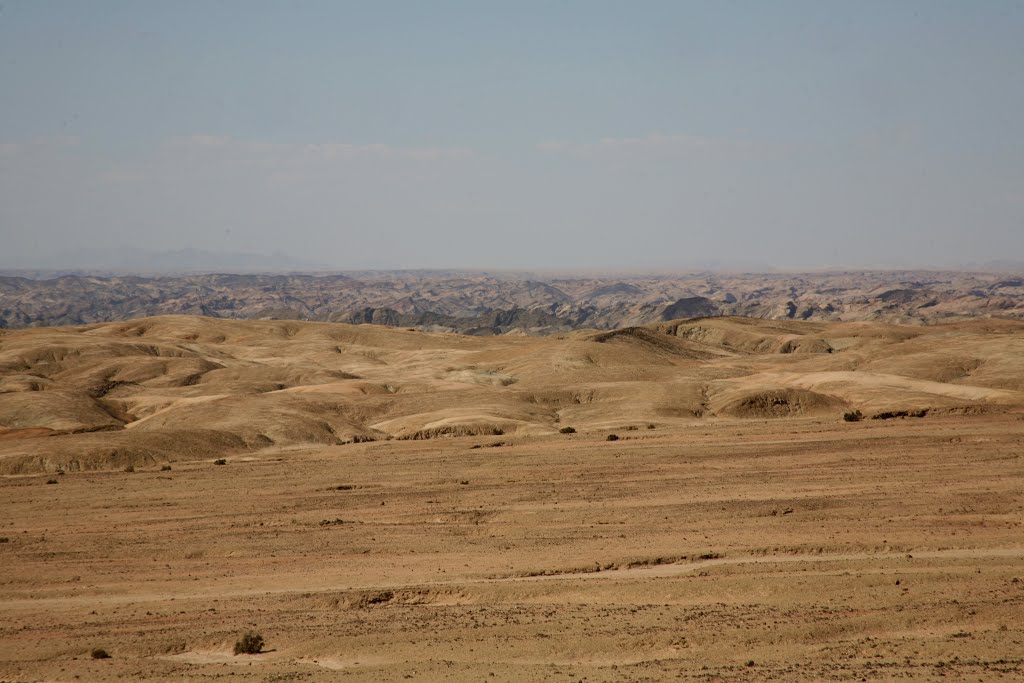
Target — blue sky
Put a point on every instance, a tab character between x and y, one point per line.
518	135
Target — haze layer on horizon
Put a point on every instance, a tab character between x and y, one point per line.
514	135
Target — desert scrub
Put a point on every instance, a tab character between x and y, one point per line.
612	437
250	644
99	653
853	416
567	430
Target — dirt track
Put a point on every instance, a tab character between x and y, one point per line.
807	548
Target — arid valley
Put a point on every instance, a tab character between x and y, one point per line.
698	499
511	342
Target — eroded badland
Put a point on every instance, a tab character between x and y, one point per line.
397	504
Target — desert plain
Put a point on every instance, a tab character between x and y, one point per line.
782	500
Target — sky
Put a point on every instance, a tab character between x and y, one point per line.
553	134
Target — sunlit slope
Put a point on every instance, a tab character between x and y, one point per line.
179	387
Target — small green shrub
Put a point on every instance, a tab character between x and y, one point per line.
612	437
165	468
99	653
567	430
853	416
250	644
220	461
4	539
51	481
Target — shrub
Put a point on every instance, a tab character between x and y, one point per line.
51	481
250	644
220	461
165	468
130	468
566	430
99	653
612	437
4	539
853	416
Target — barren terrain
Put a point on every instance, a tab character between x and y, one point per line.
396	504
484	303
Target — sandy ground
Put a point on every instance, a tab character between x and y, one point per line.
169	390
716	549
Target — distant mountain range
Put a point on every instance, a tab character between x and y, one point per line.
486	304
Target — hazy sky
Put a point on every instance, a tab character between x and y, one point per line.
515	134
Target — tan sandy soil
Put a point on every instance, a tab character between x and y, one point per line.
821	550
160	390
738	545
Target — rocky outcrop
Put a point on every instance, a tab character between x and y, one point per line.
485	304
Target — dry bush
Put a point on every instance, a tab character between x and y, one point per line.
250	644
